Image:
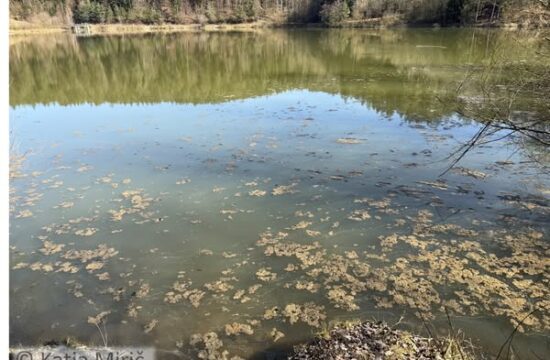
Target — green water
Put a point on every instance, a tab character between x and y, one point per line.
170	149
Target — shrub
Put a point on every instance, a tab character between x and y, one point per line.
334	13
247	10
90	12
211	12
151	16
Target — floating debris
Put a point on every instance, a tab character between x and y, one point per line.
183	181
38	266
209	346
284	189
102	252
143	290
93	266
219	286
133	309
65	205
341	299
239	294
300	225
150	326
257	193
252	289
476	174
337	177
359	215
388	242
50	248
307	285
349	140
86	232
117	215
276	335
290	267
24	214
264	274
310	313
99	318
104	276
67	267
441	185
313	233
238	328
85	168
21	265
271	313
182	290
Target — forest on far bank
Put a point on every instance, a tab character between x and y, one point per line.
331	12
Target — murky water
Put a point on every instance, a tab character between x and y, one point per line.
175	184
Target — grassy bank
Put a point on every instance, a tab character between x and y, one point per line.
28	28
106	29
18	29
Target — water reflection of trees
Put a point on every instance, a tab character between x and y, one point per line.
508	97
393	71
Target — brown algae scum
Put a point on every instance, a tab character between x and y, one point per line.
418	265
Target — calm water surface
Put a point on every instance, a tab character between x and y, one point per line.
167	176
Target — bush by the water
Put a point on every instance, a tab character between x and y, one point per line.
335	13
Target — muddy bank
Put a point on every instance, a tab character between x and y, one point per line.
377	341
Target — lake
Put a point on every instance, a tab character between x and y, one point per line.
264	186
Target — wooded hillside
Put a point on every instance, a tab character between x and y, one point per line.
332	12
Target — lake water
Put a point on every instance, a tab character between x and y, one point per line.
280	180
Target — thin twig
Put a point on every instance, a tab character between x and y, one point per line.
510	338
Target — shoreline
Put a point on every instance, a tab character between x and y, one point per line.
121	29
115	29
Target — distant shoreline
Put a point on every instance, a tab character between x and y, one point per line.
119	29
108	29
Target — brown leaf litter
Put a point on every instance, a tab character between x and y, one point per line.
371	341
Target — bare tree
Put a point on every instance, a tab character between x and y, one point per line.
509	97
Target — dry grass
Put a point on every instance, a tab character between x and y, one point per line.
390	20
368	340
19	27
457	348
23	28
